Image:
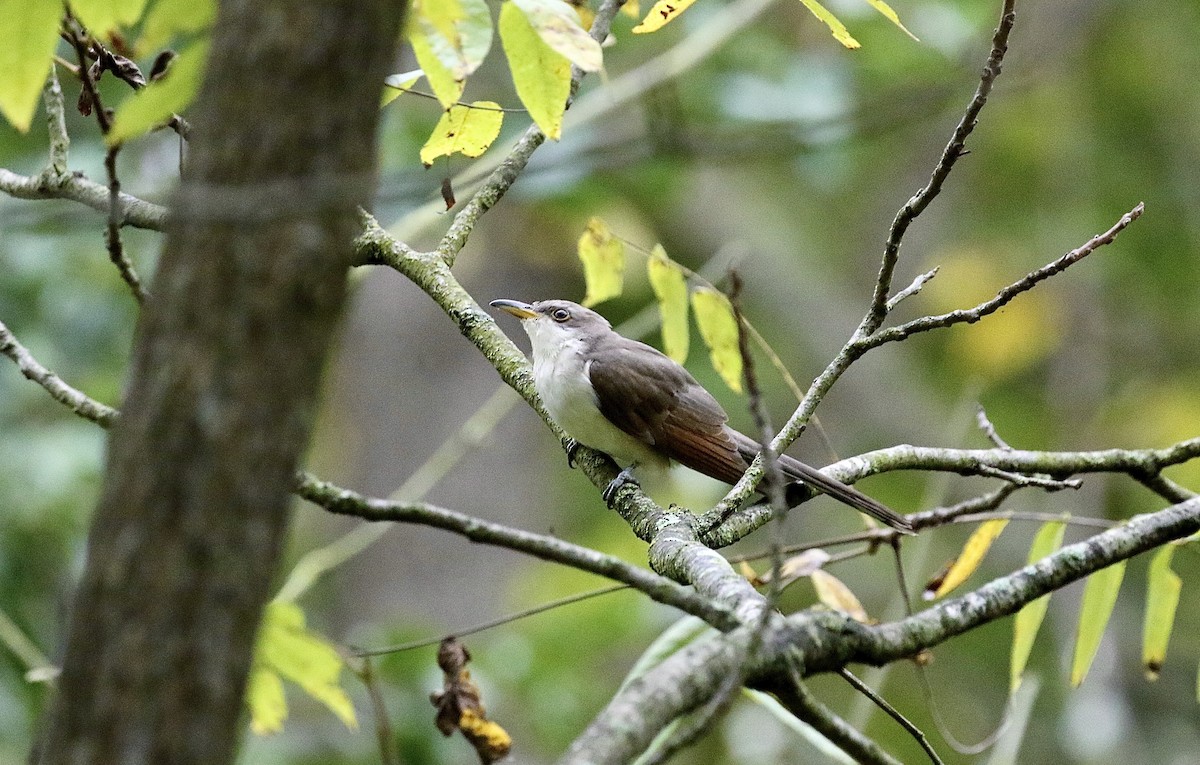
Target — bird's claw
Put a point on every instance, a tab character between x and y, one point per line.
572	446
623	478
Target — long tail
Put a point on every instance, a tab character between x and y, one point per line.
810	476
806	474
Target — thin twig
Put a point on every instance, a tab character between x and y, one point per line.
1049	484
796	697
1005	295
383	724
77	401
112	238
989	430
892	712
507	619
955	148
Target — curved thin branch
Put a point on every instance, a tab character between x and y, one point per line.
76	400
346	502
1004	296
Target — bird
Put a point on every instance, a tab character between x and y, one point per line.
642	408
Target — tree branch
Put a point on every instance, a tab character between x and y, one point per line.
954	149
830	641
75	400
346	502
1004	296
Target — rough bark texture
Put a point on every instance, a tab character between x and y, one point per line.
228	354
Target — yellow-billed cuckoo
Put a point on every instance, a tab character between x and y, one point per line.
642	408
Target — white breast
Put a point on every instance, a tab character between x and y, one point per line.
561	378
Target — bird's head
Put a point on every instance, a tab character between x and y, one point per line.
555	323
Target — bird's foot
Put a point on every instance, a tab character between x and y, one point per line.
572	446
624	477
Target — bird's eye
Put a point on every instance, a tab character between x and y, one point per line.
560	314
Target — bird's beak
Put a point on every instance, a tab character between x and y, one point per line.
516	308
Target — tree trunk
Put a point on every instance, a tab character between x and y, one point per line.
228	353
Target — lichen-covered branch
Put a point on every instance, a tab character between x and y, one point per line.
346	502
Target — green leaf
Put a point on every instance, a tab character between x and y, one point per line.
663	13
972	555
395	84
103	16
1099	597
167	19
155	103
541	75
719	329
1029	619
1162	597
886	11
445	85
268	705
286	649
670	288
558	25
603	257
840	33
467	130
28	37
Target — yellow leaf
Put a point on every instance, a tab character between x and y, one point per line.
1162	597
558	25
467	130
632	9
890	15
971	556
446	86
488	737
834	593
603	257
287	649
670	288
1099	597
797	567
1029	619
395	84
28	37
541	75
459	32
663	13
103	16
171	94
268	706
840	33
719	329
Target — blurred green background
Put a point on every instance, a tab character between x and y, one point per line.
791	155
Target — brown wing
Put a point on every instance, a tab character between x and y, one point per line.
654	399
